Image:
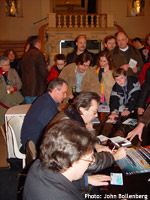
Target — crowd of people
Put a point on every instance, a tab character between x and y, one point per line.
65	99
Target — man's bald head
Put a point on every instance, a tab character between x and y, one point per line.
122	40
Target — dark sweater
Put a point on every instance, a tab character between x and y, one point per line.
41	112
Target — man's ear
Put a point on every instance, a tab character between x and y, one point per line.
82	110
55	90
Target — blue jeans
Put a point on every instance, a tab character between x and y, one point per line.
29	99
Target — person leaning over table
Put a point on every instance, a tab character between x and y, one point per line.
66	153
42	111
124	95
83	110
143	121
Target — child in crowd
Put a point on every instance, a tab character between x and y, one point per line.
104	71
124	94
10	83
60	62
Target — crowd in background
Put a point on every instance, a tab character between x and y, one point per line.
118	76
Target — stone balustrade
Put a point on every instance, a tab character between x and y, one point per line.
81	20
68	26
75	20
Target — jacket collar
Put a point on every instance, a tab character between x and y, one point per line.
73	114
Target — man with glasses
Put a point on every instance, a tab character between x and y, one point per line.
83	110
80	76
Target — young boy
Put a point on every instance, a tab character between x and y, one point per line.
60	62
124	95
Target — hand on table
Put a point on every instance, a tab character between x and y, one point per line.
113	115
125	113
136	131
99	180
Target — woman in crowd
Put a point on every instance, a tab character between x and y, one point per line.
104	71
14	62
10	83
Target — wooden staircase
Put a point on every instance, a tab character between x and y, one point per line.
18	46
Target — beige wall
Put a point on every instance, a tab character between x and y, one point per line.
20	28
134	26
17	29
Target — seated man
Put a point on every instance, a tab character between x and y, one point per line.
80	76
66	153
42	111
10	84
84	109
124	94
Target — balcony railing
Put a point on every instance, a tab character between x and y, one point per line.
78	20
75	20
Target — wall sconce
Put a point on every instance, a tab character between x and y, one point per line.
136	7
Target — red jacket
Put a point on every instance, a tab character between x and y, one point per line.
54	73
143	73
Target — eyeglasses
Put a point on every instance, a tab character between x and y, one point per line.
90	161
6	65
87	66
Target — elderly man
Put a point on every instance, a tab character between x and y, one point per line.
79	49
126	56
42	111
80	76
34	71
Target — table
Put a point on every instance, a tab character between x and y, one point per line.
119	129
137	184
19	111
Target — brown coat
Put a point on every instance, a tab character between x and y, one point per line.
89	83
34	73
145	119
119	59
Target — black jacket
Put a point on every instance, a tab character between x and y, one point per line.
43	184
117	97
71	57
102	159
